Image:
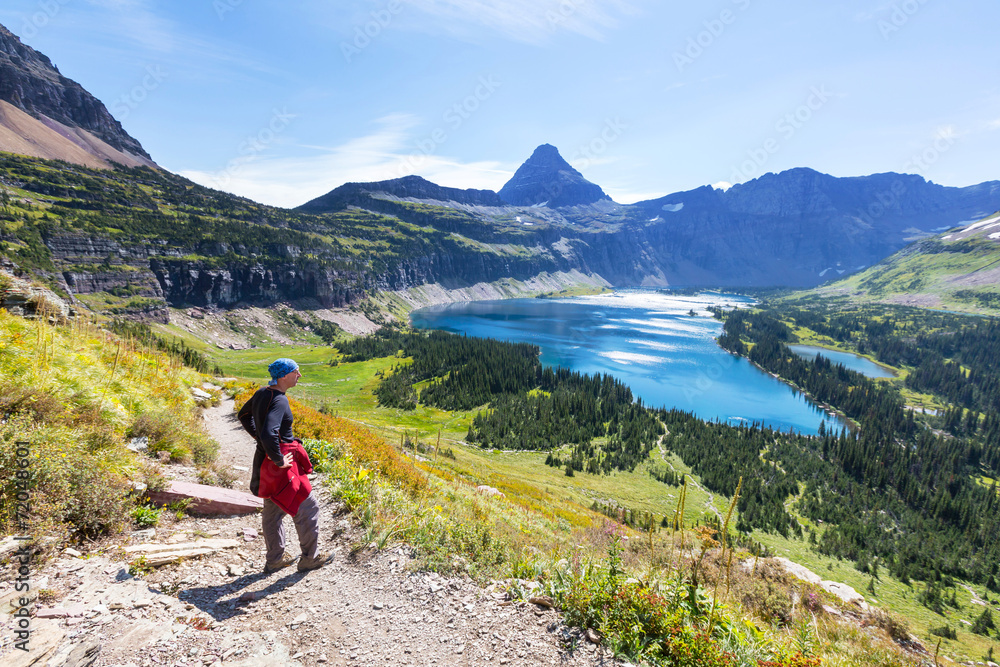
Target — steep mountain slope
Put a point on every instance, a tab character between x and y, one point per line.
547	179
958	270
800	227
44	114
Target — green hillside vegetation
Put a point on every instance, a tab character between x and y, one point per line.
825	526
78	392
955	274
74	394
155	215
143	215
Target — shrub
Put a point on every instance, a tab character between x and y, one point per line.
164	431
945	631
984	623
667	627
183	438
145	516
70	486
894	625
204	449
152	476
769	601
217	475
40	405
322	454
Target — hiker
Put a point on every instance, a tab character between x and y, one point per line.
280	466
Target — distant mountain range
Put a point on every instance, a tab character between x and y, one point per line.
798	228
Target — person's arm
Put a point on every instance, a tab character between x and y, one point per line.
270	437
245	415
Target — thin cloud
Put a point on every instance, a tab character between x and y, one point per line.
133	28
532	21
382	155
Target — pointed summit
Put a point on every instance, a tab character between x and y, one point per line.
546	178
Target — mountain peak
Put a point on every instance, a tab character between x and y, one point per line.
546	178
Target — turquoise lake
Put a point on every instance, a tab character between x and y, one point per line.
846	359
648	340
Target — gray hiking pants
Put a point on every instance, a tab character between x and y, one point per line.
306	525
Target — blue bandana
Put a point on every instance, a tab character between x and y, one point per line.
280	368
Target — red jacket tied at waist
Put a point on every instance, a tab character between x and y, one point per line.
287	487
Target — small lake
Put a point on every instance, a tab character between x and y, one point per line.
847	359
649	341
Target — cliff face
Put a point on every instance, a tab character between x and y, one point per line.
31	83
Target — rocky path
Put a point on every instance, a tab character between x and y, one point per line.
374	608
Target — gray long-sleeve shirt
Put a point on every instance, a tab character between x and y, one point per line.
267	416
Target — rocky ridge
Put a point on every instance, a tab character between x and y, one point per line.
30	83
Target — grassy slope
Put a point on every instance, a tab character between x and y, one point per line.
75	393
347	389
546	513
928	273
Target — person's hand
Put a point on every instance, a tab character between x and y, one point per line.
288	462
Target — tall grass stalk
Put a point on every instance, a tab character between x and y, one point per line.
725	545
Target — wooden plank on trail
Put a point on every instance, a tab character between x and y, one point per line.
208	499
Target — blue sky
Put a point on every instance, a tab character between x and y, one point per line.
282	102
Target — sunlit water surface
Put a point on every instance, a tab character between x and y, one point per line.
648	340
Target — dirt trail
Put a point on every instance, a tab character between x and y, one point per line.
710	503
236	447
372	609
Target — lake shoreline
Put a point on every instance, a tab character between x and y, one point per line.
650	341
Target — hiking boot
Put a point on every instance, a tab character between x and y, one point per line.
321	559
275	565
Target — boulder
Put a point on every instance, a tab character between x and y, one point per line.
208	499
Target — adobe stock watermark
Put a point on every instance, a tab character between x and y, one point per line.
365	34
709	375
587	153
453	118
254	145
223	7
918	163
22	557
566	8
786	127
714	28
124	105
47	10
899	16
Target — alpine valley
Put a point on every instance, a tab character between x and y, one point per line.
138	308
